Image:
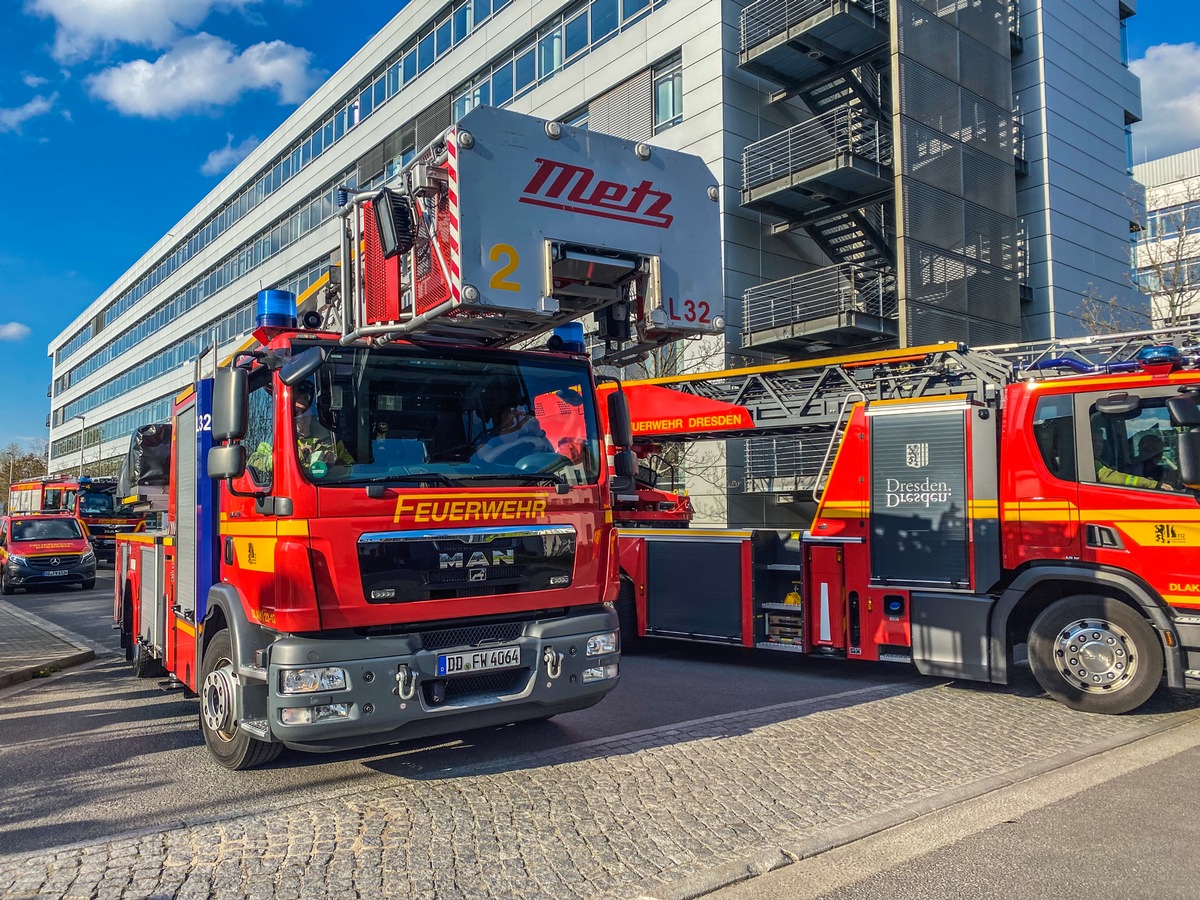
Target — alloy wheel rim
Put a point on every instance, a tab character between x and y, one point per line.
1095	655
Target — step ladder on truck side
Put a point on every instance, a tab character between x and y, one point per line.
991	498
384	520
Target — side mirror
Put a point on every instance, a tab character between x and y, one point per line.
1184	411
624	479
1118	404
228	461
300	366
619	424
1189	459
231	402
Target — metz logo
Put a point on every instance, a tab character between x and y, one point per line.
560	185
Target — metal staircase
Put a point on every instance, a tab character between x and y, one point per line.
830	176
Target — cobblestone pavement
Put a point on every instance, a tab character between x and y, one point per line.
612	818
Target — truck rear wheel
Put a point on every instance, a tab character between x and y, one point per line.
143	664
1095	654
229	745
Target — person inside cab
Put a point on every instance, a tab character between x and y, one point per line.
1108	473
319	448
515	433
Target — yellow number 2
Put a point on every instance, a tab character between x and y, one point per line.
499	281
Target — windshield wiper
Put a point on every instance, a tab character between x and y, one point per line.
525	477
435	477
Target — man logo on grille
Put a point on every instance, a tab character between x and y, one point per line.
479	575
916	456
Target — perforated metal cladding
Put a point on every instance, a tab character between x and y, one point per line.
989	182
950	282
987	22
933	217
627	110
923	36
929	98
957	183
987	127
432	122
931	157
984	72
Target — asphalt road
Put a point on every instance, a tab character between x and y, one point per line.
93	751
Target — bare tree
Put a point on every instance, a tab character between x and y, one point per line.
1167	256
1109	315
18	463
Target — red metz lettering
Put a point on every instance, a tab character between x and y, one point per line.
552	179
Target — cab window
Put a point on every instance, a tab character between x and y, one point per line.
1137	449
48	529
1054	432
260	433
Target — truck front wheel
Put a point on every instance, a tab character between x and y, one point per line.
230	745
1095	654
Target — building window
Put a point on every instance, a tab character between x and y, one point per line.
668	94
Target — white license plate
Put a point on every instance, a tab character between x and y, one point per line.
479	660
56	573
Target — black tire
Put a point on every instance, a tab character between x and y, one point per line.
627	619
234	749
89	584
1095	654
142	663
5	588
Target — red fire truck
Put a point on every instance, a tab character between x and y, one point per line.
391	523
93	500
966	503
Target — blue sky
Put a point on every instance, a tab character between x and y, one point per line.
118	116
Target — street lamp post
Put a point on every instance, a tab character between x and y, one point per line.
82	433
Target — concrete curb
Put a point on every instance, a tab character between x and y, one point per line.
84	650
766	860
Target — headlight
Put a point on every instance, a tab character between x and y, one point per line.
88	557
307	715
601	673
310	681
599	644
18	560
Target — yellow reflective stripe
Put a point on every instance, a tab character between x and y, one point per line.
186	627
284	528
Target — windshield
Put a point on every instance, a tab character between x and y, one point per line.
397	414
95	502
64	529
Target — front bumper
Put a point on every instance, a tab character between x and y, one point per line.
379	714
25	576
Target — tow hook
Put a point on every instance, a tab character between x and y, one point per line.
553	662
406	682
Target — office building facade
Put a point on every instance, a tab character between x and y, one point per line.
1167	254
874	156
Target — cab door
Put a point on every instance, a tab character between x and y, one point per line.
1134	512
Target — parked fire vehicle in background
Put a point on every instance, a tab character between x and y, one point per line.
391	524
42	550
967	502
93	500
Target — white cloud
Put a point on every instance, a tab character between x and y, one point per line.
34	81
225	158
1170	75
13	331
85	26
12	119
203	72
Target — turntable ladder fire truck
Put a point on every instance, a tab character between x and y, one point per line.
389	523
967	502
